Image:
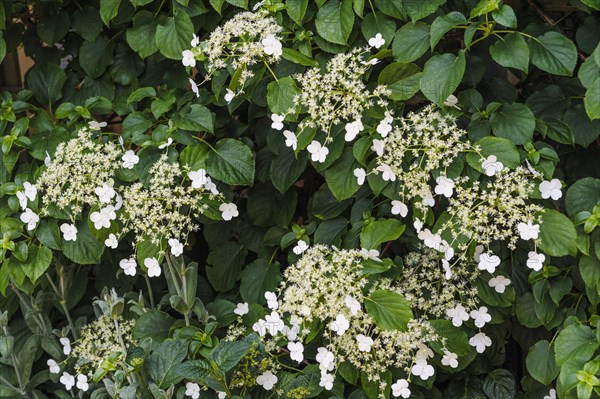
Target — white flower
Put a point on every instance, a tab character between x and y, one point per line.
458	315
528	231
480	341
428	200
340	325
378	146
194	87
300	247
198	178
450	359
176	247
195	40
424	352
274	323
325	358
241	309
445	186
82	382
353	129
192	389
118	202
377	41
451	101
47	160
22	199
318	152
129	266
96	125
188	58
327	381
364	343
228	211
422	369
292	331
105	193
296	351
429	239
30	218
212	187
551	189
400	388
130	159
111	241
102	218
352	304
489	262
266	380
222	395
360	175
386	172
229	95
67	380
399	208
478	251
551	394
535	261
480	316
69	231
277	121
290	139
446	249
166	144
418	225
272	46
499	283
384	128
30	191
447	270
153	267
53	366
260	328
271	300
491	165
66	343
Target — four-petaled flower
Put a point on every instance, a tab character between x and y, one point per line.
130	159
153	267
290	139
377	41
318	152
352	129
340	325
378	146
192	390
489	262
129	266
327	381
458	315
480	341
400	388
325	358
53	366
422	369
267	380
102	218
535	260
229	95
528	231
360	175
399	208
228	211
241	309
352	304
451	101
300	247
271	300
66	344
198	178
386	172
551	189
67	380
82	382
272	46
29	192
277	121
499	283
195	40
69	231
491	165
188	59
296	351
105	193
176	246
30	218
480	316
450	359
364	343
445	186
96	125
111	241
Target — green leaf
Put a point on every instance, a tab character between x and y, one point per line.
154	325
225	262
194	156
46	80
411	42
558	236
589	268
96	56
511	51
296	9
140	94
442	75
127	66
541	364
162	363
443	24
576	343
373	24
286	169
86	250
393	8
583	195
335	20
298	58
109	10
87	23
417	10
340	176
500	384
52	25
144	27
232	162
228	354
257	278
514	122
503	149
37	263
591	100
484	7
380	231
280	95
195	118
401	79
553	53
456	340
505	16
390	310
173	35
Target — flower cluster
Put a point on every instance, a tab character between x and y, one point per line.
243	41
